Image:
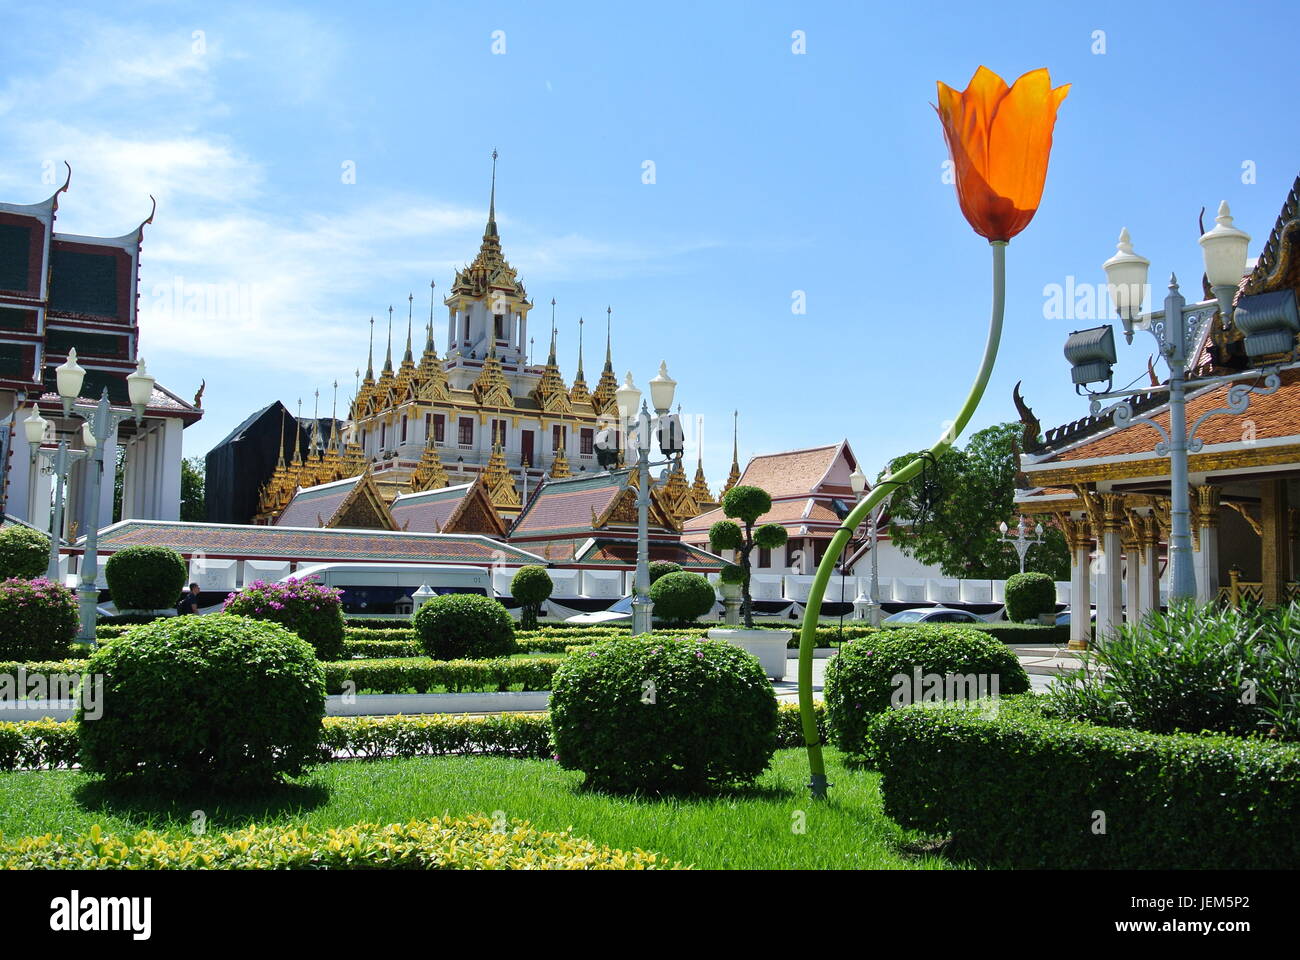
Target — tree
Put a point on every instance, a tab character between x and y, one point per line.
193	470
948	517
746	504
532	587
193	479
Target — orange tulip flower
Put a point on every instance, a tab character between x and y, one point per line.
1000	138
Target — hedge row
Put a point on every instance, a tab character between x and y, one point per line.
407	674
467	843
1118	798
396	675
52	744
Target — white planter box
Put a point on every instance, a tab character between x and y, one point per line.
770	646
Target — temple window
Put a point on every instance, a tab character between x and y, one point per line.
587	441
466	431
439	428
557	437
500	324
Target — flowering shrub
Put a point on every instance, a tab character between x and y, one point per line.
38	618
651	715
24	552
307	607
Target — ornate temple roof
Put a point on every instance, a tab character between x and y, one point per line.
297	544
809	488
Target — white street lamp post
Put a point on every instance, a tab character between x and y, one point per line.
1178	330
1021	541
628	398
99	424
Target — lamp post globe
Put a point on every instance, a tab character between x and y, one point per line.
68	378
628	398
662	387
1223	247
34	427
1126	281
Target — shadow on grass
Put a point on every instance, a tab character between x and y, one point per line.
726	793
160	808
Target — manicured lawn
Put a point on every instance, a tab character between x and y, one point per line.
744	829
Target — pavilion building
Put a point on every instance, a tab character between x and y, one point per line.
59	292
1109	492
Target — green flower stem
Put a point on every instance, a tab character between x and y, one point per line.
812	611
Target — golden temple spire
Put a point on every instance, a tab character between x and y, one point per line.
409	357
388	357
280	464
700	488
734	477
603	397
551	359
578	393
492	200
429	347
560	465
430	474
370	357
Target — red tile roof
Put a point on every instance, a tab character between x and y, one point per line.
1275	415
219	540
313	506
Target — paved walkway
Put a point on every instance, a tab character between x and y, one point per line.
1043	662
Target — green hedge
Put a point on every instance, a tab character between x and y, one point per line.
424	676
468	843
41	744
1018	789
398	675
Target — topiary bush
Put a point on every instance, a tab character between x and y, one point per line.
681	597
531	586
145	578
217	702
661	568
1028	595
899	666
649	715
746	504
38	619
307	607
24	552
464	626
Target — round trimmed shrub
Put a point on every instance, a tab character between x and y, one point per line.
681	597
464	626
661	568
639	714
145	578
307	607
24	552
38	619
216	702
880	671
1028	595
531	586
732	573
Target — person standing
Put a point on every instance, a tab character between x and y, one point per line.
189	602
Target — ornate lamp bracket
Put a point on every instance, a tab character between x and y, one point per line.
1238	403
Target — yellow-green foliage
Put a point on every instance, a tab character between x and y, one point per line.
468	843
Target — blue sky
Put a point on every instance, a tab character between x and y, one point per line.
775	172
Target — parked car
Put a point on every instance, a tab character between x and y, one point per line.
1063	618
933	615
619	611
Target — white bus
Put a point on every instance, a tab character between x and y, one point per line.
386	588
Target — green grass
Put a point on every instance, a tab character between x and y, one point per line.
753	828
